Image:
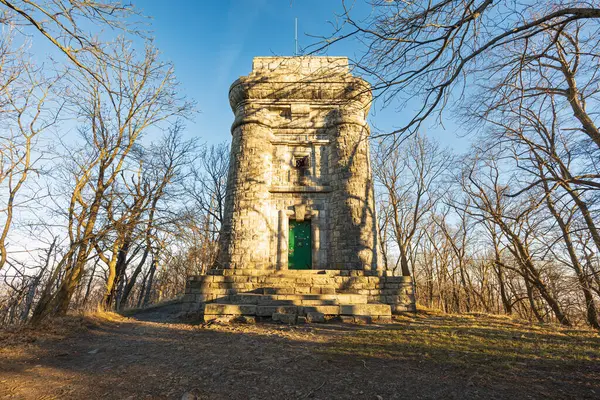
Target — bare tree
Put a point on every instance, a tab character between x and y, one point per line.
26	116
168	164
64	24
525	113
426	51
209	181
410	177
138	99
488	195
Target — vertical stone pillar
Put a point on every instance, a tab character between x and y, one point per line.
323	238
247	226
282	240
353	226
315	226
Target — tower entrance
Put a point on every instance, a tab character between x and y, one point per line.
300	245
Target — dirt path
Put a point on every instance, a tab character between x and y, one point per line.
141	359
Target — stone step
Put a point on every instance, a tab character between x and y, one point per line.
229	309
219	309
296	290
336	280
293	299
282	280
214	310
310	272
323	309
366	309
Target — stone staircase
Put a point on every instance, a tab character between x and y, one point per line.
298	296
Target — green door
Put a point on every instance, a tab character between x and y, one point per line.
300	254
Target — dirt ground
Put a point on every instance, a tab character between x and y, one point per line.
149	356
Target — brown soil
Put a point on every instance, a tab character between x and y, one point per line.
421	356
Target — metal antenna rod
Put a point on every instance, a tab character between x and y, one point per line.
296	37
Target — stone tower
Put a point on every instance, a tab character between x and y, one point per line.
298	239
300	190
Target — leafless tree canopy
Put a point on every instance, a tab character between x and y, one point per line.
104	200
514	224
430	53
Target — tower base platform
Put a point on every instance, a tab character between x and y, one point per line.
296	296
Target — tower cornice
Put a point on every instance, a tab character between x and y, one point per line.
309	79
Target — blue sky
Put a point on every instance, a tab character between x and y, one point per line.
212	43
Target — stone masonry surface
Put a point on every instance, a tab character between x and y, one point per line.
287	109
300	154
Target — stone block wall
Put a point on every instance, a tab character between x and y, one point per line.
289	108
354	231
246	229
226	286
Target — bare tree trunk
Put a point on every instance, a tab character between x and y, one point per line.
112	276
404	267
129	287
506	304
150	282
88	288
592	313
536	281
532	305
142	293
498	267
43	306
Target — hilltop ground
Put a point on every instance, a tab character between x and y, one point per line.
427	355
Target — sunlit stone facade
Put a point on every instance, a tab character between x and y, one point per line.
300	156
298	239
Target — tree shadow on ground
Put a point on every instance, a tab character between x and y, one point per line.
417	357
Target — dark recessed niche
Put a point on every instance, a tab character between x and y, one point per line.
301	162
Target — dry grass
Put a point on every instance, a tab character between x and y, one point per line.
57	328
427	355
489	341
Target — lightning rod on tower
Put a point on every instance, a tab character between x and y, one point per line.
296	37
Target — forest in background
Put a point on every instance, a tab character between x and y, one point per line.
118	214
